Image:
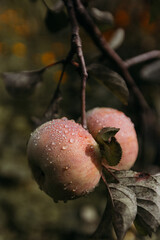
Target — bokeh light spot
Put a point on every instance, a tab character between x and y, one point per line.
19	49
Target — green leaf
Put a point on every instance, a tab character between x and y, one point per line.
110	148
124	210
147	190
112	152
22	84
106	133
111	80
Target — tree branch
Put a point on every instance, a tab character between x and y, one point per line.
86	21
54	64
76	47
52	109
142	58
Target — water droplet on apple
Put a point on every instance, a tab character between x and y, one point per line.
64	147
71	140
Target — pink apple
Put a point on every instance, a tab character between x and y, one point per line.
65	159
99	118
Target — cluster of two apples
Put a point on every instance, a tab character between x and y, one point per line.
66	160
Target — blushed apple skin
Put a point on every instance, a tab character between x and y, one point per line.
99	118
65	159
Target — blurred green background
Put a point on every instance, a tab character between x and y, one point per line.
26	43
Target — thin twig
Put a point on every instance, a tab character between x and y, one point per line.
76	46
52	109
55	63
142	58
44	2
53	105
90	27
42	70
56	96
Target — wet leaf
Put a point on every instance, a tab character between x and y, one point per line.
147	190
151	72
111	80
23	83
124	210
110	148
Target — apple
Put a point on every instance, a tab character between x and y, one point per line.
65	159
99	118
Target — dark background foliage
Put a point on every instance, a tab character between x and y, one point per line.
28	42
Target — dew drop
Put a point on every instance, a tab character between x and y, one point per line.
64	118
64	147
71	140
